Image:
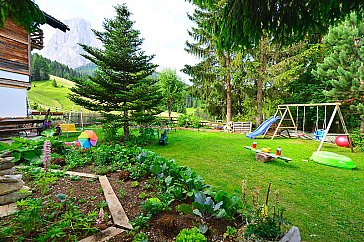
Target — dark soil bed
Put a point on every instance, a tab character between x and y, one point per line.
86	191
164	226
88	195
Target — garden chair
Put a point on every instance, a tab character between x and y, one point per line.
163	140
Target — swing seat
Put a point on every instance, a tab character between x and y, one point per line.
319	134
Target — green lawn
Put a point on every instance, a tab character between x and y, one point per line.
326	203
43	93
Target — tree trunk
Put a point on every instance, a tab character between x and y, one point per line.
169	112
260	82
362	126
259	101
126	126
228	88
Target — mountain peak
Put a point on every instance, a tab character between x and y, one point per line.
64	48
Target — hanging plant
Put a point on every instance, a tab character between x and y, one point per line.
23	12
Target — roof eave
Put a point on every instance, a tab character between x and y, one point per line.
55	23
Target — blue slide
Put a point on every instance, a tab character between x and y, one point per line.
262	128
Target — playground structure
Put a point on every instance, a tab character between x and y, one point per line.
285	114
263	128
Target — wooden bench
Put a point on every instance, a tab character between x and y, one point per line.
18	126
19	130
68	128
242	127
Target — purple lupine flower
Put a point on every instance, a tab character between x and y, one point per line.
46	155
101	214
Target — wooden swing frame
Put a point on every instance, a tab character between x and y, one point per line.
284	110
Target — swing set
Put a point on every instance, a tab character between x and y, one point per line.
284	111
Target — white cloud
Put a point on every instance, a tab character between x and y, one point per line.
162	23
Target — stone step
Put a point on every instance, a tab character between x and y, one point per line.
6	188
8	209
6	159
6	154
6	165
23	192
10	178
7	171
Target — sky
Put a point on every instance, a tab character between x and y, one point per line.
162	23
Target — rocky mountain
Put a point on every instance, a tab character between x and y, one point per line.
64	48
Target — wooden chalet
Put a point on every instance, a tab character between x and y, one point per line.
15	65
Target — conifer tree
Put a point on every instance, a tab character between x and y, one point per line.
40	68
212	77
343	65
121	88
246	22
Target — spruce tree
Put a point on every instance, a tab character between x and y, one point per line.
343	65
121	88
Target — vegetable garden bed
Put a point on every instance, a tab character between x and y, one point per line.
163	201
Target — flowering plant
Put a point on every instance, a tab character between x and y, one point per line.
47	155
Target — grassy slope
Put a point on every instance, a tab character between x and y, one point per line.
326	203
43	93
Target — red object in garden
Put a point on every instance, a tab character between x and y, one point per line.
254	145
279	151
342	141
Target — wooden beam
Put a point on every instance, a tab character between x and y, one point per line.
275	115
328	127
309	105
345	130
13	66
12	37
280	122
14	84
117	212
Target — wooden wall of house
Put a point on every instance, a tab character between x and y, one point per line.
14	56
14	48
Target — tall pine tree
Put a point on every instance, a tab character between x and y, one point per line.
121	88
343	65
212	77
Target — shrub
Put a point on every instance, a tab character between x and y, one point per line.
357	139
189	235
188	120
54	83
111	133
